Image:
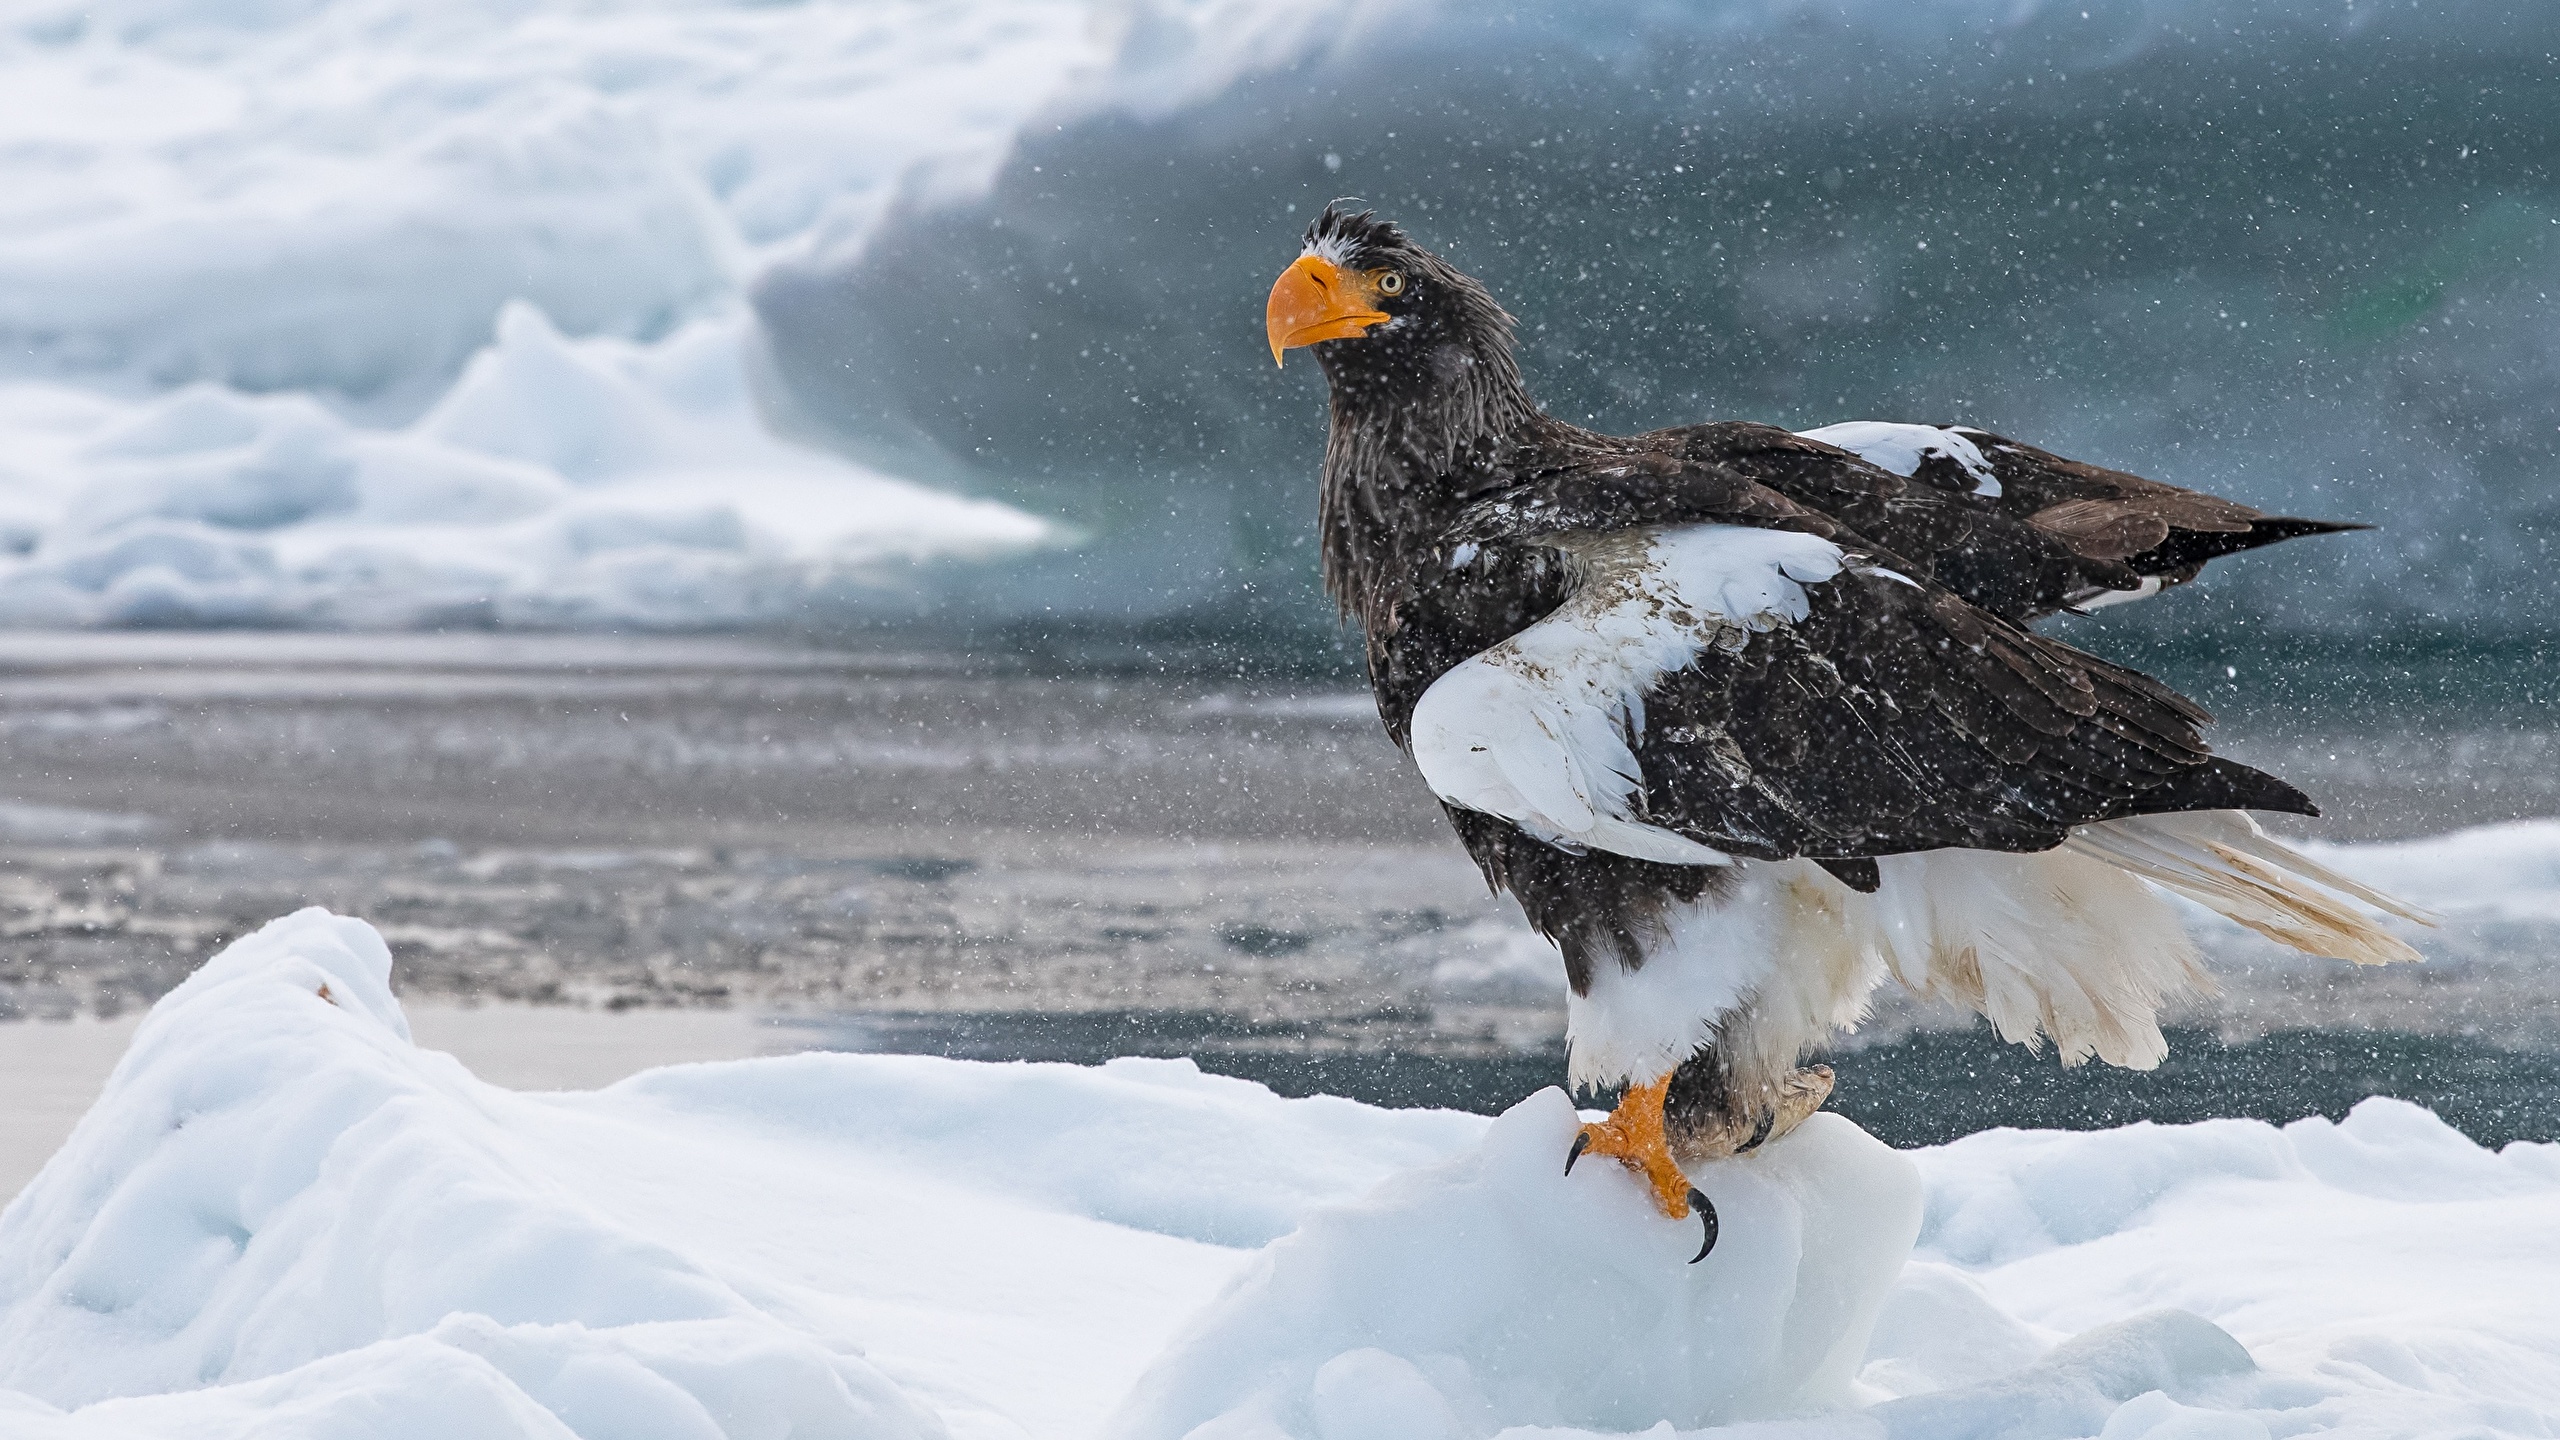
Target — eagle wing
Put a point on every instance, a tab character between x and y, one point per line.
1764	683
2018	531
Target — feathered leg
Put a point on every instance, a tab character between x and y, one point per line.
1707	1117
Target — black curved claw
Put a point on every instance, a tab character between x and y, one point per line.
1581	1142
1706	1209
1759	1132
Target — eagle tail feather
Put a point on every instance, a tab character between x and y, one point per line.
2223	861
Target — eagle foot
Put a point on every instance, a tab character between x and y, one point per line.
1717	1136
1633	1135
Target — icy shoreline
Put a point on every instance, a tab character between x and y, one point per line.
283	1219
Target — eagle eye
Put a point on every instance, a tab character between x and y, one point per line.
1391	282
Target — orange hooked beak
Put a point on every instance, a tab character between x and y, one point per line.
1316	299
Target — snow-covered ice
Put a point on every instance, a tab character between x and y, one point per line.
282	1219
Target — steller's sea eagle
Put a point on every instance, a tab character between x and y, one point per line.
1750	721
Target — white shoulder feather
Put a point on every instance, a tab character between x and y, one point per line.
1538	729
1901	448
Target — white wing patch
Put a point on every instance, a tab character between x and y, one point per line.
1901	448
1537	729
2149	587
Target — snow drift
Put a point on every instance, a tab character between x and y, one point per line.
284	1220
1013	247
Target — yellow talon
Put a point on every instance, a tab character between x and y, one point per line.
1633	1136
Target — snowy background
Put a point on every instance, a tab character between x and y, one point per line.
388	314
376	313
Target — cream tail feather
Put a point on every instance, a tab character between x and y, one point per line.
2073	944
2221	860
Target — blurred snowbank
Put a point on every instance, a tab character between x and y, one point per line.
250	257
558	483
283	1220
335	196
2502	872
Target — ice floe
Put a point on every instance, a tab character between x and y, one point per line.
284	1219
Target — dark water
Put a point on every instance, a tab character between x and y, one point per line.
1927	1089
1938	1085
942	855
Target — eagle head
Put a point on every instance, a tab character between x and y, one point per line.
1382	308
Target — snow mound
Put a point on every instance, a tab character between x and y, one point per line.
282	1219
1495	1290
2392	1277
2115	1381
293	1195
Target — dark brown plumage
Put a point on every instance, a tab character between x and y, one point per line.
2005	739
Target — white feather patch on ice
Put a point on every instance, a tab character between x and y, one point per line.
1537	728
1901	448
